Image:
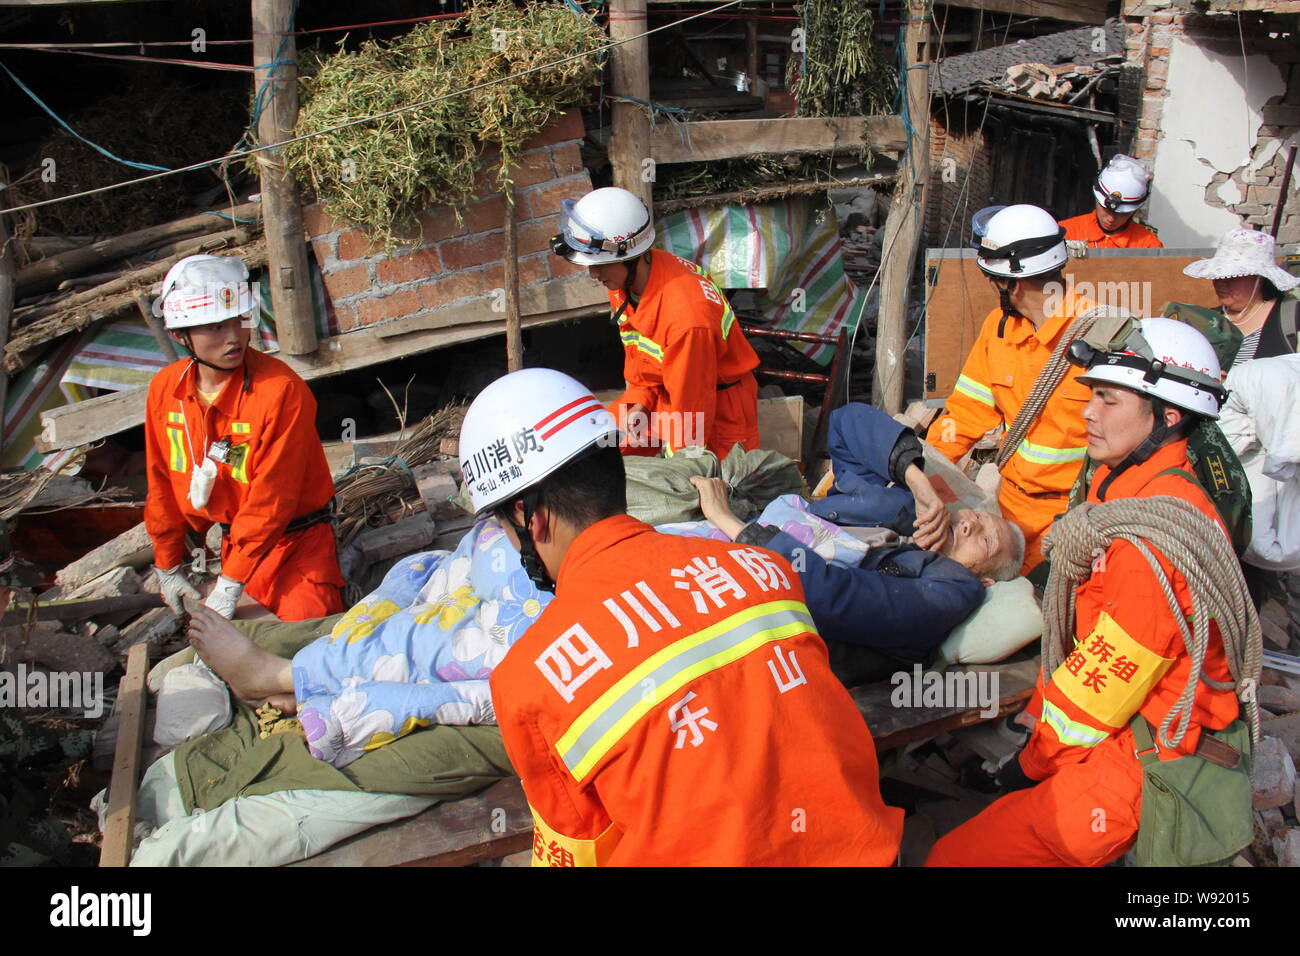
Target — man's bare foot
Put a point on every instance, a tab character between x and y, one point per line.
252	673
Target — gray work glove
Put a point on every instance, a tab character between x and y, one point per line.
224	596
176	586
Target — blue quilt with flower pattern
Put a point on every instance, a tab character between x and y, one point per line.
420	648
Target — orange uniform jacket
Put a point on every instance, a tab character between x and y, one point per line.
1086	228
276	473
1128	657
681	343
998	375
674	705
1129	654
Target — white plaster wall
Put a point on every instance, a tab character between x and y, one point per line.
1210	123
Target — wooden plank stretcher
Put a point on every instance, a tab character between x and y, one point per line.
496	822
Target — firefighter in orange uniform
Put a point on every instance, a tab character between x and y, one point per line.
1120	190
230	438
1022	253
1081	780
674	704
688	366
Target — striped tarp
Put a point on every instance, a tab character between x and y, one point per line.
790	249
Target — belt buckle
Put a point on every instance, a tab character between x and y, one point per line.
1155	749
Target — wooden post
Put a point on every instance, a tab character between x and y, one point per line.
119	826
906	216
629	145
159	332
751	54
514	334
274	50
8	273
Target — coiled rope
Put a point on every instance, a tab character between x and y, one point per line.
1198	550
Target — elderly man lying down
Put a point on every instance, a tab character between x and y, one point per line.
904	595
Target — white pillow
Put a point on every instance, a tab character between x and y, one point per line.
1007	620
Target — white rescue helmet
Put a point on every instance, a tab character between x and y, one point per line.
1022	241
607	225
1123	185
201	290
1162	358
523	427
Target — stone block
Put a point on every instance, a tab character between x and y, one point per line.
1272	775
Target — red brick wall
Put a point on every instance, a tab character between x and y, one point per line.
448	261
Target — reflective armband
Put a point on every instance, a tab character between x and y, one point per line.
1109	674
552	848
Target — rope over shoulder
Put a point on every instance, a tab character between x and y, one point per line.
1199	551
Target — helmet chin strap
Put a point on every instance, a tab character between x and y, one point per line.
1004	301
531	560
1150	445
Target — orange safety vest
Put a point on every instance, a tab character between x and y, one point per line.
1087	229
674	706
999	373
1129	653
686	360
276	471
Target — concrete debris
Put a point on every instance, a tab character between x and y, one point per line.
411	534
132	549
1272	775
1279	698
1287	847
115	583
154	627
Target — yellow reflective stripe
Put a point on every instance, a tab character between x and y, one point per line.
598	728
728	317
973	389
642	344
1047	455
1069	732
239	467
176	418
552	848
177	458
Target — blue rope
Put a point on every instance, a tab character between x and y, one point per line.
99	149
575	8
653	106
226	215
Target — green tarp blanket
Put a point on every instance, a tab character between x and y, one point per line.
438	761
659	490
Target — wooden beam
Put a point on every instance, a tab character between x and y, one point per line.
574	297
119	827
906	216
514	334
275	85
758	194
8	281
629	147
709	140
46	274
1075	11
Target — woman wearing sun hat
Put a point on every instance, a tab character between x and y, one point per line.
1251	286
